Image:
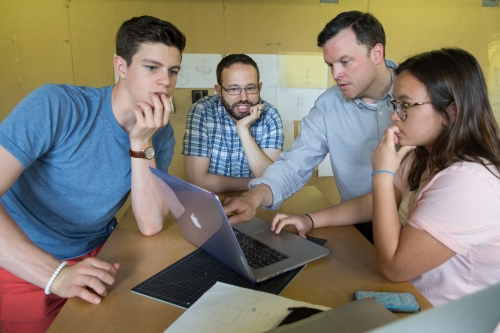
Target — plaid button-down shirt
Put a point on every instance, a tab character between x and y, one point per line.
210	132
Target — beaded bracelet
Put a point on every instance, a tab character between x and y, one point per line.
386	171
53	277
309	216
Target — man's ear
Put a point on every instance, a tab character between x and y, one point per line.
218	89
120	66
377	53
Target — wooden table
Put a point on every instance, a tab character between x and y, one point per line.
330	281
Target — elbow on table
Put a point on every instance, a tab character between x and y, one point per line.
393	274
150	229
393	278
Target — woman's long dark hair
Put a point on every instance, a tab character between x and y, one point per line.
452	75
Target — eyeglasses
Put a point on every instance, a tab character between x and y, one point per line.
237	91
401	107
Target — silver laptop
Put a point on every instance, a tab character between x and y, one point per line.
202	221
354	317
477	313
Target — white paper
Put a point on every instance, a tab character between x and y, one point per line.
268	69
325	167
302	70
295	104
288	133
231	309
270	95
198	70
493	77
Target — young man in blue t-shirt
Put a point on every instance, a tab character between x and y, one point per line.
70	158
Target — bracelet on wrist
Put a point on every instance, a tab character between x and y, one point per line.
383	171
53	277
310	218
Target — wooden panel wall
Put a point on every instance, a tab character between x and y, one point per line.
72	41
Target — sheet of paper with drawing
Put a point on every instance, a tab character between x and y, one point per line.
198	70
227	308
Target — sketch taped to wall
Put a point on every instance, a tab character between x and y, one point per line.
302	70
198	70
494	74
268	69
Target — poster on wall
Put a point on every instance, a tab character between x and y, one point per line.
198	70
494	74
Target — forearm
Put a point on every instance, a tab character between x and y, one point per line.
148	204
294	167
197	167
284	177
257	160
350	212
20	256
243	208
386	224
218	183
259	196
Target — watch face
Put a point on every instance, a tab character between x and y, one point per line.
150	153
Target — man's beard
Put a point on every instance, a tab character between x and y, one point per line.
231	108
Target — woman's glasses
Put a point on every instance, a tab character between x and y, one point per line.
401	107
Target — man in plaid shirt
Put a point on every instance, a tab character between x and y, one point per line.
233	136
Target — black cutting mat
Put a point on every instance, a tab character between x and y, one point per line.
183	282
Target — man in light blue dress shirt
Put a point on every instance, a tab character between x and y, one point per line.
346	121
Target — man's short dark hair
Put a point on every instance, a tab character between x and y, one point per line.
146	29
235	59
368	30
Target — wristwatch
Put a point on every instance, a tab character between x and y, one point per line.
147	153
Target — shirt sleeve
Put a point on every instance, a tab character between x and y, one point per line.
294	167
460	207
195	142
273	134
36	124
165	141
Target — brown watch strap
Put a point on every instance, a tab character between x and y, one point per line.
137	154
147	153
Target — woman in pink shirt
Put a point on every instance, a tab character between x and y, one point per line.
436	215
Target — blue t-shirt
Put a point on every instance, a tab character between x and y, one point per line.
77	168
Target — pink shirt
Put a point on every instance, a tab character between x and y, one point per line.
460	207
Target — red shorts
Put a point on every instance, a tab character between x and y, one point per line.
24	307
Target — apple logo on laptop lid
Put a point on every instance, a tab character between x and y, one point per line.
195	221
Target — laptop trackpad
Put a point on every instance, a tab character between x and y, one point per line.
290	244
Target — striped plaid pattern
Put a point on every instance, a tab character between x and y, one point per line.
211	133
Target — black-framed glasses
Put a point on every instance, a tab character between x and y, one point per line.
237	91
401	107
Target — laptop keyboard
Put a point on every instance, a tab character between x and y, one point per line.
258	255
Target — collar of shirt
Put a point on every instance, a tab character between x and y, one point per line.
223	115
